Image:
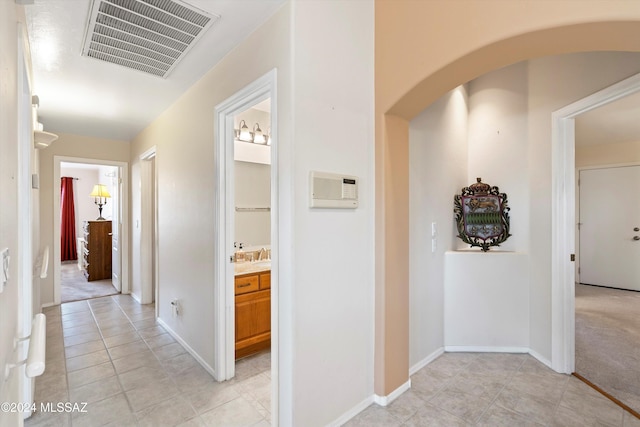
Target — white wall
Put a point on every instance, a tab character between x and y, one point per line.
437	171
509	145
184	141
498	141
333	306
326	256
492	289
10	299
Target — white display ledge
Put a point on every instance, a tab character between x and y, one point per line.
253	153
486	299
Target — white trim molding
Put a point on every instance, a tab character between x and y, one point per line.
186	346
484	349
563	218
261	89
344	418
386	400
424	362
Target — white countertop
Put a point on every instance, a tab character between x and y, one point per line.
248	267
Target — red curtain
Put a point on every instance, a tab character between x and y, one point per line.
67	221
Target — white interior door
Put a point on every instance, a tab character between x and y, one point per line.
610	227
116	222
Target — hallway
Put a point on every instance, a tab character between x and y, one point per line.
110	353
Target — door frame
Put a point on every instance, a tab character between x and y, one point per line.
124	232
149	238
26	211
563	218
578	208
224	210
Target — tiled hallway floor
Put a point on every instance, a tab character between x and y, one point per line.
494	389
110	353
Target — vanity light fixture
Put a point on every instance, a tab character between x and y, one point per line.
244	133
100	195
258	136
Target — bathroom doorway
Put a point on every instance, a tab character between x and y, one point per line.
252	245
246	282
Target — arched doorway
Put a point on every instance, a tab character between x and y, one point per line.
406	84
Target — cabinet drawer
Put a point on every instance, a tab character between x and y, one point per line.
246	284
265	280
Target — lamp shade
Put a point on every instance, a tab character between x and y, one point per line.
258	136
245	133
100	190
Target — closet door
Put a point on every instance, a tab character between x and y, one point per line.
610	227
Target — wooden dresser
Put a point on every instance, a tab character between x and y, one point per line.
97	250
253	313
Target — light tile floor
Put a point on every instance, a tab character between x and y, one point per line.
495	389
110	353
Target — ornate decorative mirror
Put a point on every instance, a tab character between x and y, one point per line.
482	215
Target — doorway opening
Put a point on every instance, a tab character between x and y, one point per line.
564	218
246	247
147	230
94	263
86	231
608	247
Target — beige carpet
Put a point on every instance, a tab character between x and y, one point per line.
608	341
75	287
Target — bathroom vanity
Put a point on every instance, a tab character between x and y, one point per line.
253	309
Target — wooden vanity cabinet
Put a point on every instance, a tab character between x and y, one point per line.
96	250
253	313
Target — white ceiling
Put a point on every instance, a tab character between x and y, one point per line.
612	123
84	96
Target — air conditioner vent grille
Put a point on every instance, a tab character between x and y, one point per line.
145	35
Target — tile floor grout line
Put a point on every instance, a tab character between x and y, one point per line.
159	361
111	360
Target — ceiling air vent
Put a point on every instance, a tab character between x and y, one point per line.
146	35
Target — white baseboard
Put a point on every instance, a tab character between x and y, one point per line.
352	412
424	362
386	400
541	359
191	351
483	349
49	304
